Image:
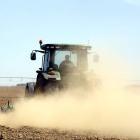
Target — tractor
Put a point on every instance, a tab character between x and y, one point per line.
64	66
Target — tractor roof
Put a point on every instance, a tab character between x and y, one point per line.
65	47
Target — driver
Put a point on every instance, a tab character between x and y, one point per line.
67	63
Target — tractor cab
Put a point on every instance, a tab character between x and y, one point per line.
66	58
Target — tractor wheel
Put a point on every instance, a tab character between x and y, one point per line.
39	88
29	90
3	109
44	86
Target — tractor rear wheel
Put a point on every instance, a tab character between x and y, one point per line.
45	86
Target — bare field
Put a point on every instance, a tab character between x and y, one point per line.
13	94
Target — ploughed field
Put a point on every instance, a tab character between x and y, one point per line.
13	94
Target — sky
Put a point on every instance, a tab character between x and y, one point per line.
110	25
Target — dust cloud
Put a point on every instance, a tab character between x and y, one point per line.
110	109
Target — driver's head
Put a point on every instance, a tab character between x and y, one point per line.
67	57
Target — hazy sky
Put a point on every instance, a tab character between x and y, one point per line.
110	25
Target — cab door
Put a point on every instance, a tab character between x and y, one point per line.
47	60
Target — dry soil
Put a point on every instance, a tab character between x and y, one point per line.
13	94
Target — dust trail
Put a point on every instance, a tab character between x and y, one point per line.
110	109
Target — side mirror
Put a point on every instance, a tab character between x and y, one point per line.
96	58
33	56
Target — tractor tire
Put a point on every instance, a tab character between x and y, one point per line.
3	109
44	86
39	84
29	90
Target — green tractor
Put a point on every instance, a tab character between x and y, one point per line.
63	66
